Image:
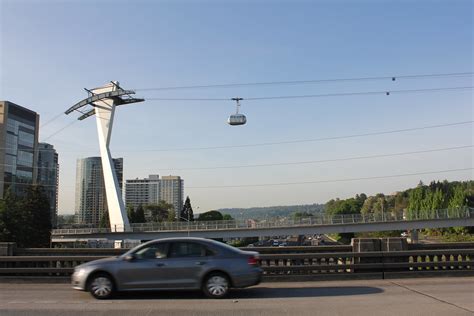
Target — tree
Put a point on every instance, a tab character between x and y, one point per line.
415	201
4	232
171	217
26	219
161	212
187	211
299	215
9	219
104	221
131	213
227	217
459	198
36	208
139	215
66	219
349	206
210	216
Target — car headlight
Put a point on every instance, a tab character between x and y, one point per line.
80	272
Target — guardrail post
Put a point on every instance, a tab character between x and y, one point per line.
365	245
7	248
414	236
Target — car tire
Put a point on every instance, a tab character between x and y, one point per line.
101	286
216	285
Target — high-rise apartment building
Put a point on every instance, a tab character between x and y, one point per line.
48	177
91	200
172	191
142	191
18	147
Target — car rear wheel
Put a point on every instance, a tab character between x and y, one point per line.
216	285
101	286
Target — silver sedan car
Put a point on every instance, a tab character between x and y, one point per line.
171	264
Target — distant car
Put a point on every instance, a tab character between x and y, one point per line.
404	234
171	264
283	244
275	243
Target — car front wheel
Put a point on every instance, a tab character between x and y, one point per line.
101	286
216	285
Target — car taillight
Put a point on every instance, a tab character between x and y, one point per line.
253	261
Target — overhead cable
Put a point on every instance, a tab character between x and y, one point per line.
331	181
322	160
297	183
301	140
326	95
315	81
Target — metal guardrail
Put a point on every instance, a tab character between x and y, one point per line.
317	220
279	265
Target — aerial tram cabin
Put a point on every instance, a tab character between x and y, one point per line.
237	118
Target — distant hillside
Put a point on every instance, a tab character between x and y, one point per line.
271	211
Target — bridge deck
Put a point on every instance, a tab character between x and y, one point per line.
437	296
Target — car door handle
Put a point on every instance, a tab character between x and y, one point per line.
200	263
160	264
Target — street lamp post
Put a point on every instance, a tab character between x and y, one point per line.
187	220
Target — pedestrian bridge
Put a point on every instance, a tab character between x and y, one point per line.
322	224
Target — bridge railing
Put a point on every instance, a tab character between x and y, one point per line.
368	262
280	265
276	223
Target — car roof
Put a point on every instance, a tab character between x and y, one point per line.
181	239
197	239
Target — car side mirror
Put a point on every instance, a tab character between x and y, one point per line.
130	257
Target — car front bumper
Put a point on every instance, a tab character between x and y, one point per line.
78	282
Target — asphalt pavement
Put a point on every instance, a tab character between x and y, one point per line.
428	296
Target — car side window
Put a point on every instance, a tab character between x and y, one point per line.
188	249
153	251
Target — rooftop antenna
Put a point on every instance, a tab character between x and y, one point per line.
103	101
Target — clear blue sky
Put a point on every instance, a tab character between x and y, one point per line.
50	50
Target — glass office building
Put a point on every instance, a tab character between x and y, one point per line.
18	148
48	177
91	200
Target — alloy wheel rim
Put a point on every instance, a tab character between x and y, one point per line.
101	286
217	285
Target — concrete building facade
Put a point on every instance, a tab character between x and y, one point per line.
48	176
18	148
142	191
172	191
91	201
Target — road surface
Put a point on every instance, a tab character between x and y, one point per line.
429	296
